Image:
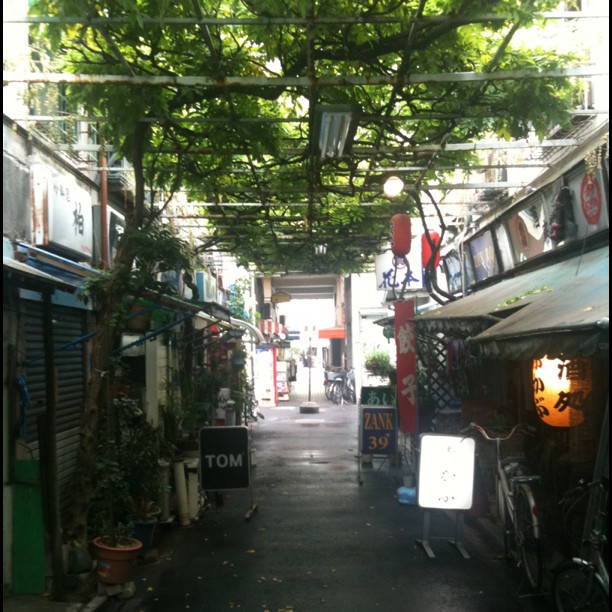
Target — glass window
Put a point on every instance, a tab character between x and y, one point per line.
504	246
452	269
527	229
483	256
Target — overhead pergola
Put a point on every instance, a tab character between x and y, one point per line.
235	96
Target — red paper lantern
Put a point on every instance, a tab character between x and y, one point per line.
426	249
401	236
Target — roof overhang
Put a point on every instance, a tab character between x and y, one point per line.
554	325
255	334
472	315
28	277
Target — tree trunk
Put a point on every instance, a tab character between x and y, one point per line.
108	308
96	400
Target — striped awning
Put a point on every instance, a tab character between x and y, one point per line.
272	328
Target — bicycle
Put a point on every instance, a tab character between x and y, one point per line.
517	507
250	406
329	376
343	388
583	583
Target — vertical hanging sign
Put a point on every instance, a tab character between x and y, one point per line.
405	339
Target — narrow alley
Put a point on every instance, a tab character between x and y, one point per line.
320	540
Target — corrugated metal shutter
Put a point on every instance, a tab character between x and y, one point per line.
68	325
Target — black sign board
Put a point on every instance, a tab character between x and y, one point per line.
377	396
378	430
224	458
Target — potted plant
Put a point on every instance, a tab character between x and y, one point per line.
115	548
378	363
238	358
115	561
141	453
128	482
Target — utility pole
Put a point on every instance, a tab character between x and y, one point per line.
309	406
309	368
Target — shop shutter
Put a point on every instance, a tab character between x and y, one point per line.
68	326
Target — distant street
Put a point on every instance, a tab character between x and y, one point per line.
318	539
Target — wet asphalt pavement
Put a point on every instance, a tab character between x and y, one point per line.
306	536
315	531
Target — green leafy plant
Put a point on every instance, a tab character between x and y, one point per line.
128	474
379	363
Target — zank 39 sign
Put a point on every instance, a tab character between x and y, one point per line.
378	430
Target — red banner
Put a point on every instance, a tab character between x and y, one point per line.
405	340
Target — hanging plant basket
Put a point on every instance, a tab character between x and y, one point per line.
238	362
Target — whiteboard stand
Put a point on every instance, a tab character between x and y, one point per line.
457	542
446	482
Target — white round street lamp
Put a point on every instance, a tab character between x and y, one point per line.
393	186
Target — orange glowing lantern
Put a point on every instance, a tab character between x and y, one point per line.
426	249
401	234
562	390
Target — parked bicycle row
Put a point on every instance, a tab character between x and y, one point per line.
581	580
340	385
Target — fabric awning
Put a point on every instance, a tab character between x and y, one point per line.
471	315
28	277
272	328
71	272
332	333
571	321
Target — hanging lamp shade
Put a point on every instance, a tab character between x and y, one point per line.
561	390
401	236
426	249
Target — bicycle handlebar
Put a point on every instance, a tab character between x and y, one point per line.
582	488
483	432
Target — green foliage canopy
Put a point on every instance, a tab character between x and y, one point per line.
238	137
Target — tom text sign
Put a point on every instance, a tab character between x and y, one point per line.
224	458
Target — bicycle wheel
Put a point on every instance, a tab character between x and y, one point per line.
504	517
529	544
349	395
328	386
575	587
336	392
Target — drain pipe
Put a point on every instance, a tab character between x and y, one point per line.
164	502
193	489
180	484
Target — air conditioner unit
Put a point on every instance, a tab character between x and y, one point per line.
120	176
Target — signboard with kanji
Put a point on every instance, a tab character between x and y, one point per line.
405	340
377	396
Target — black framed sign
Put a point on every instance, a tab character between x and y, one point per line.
378	430
377	396
224	458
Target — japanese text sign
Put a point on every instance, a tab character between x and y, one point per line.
405	338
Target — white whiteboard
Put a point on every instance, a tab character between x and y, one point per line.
446	472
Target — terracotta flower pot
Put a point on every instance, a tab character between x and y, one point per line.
115	563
